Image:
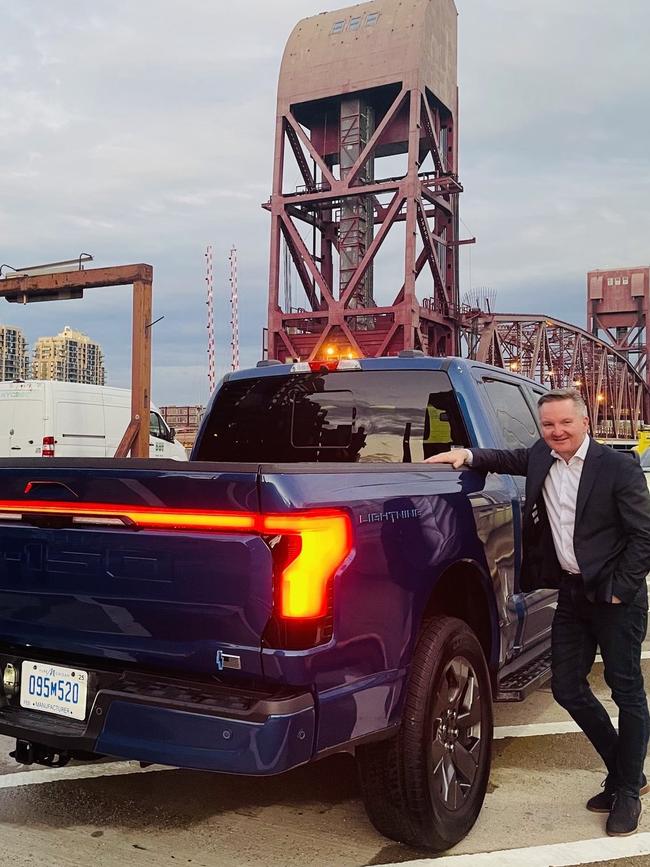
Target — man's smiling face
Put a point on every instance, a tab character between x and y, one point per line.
563	426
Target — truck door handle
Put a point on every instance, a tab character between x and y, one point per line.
16	448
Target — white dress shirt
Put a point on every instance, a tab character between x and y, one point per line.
560	497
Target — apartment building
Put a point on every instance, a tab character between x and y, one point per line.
69	356
14	358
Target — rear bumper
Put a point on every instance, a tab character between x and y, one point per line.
205	727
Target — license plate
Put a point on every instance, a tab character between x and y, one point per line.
52	689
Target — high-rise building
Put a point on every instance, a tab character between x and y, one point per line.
14	358
69	356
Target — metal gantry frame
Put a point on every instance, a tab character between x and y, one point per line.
24	289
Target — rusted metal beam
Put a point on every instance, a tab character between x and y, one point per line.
370	148
92	278
128	438
342	190
141	366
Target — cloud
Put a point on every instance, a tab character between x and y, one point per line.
143	131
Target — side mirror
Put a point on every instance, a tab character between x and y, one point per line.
172	433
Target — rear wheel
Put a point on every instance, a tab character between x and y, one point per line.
425	786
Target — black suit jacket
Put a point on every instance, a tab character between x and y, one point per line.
611	536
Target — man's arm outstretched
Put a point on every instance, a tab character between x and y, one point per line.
514	462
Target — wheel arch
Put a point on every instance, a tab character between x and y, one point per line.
464	591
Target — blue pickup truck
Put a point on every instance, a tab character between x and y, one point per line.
305	585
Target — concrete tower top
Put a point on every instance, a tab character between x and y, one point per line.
371	45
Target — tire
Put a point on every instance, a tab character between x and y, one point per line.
425	786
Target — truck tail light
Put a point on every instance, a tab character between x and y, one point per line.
47	450
308	547
315	545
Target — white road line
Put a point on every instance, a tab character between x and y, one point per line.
553	855
532	730
76	772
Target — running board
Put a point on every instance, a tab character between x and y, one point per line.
516	686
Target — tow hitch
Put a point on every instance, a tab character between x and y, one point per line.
28	753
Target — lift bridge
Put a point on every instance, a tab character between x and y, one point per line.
367	123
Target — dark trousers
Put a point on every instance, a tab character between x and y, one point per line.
579	627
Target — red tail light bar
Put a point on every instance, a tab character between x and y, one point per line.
323	537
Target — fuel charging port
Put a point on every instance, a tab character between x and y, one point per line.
10	680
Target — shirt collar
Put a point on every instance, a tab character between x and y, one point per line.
581	453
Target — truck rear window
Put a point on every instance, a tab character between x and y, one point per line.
386	416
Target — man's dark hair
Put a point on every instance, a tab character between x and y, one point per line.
564	394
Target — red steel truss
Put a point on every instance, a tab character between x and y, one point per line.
356	85
560	355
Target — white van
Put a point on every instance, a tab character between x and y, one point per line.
68	419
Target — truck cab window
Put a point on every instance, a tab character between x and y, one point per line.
443	425
323	420
387	416
514	416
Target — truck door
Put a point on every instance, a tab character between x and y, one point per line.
519	429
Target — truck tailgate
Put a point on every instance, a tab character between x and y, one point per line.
82	574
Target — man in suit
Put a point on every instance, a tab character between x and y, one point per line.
586	532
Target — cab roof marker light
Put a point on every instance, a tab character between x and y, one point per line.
329	364
319	366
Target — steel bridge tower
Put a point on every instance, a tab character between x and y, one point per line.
618	310
366	121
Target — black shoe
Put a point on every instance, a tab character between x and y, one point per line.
603	802
625	815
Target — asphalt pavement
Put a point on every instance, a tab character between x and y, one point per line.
116	814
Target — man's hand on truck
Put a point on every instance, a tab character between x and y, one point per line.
456	457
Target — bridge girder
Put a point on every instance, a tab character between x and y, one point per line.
561	355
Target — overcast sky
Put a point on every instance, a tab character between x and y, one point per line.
142	131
